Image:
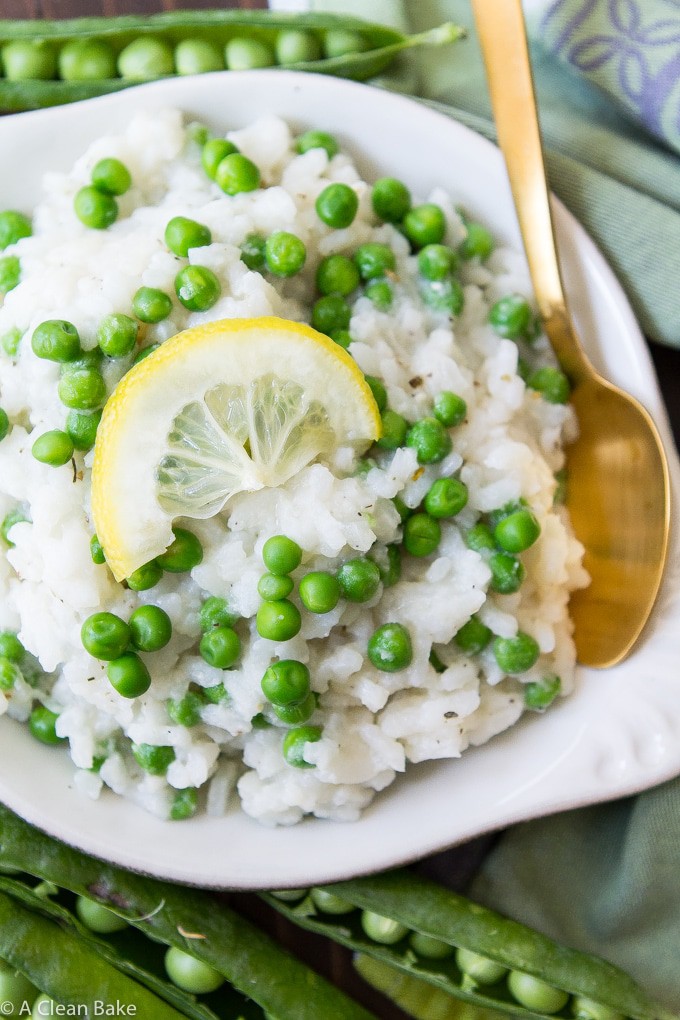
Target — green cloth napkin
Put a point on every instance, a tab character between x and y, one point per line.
622	183
605	878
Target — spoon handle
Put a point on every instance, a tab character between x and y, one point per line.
502	35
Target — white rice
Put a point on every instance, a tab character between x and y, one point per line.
509	447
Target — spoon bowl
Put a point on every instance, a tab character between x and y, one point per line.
618	487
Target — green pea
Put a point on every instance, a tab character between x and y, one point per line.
281	555
449	408
342	338
479	968
538	695
96	551
377	388
359	579
511	317
154	758
536	994
516	654
551	383
10	273
389	648
284	253
319	591
480	538
340	42
215	612
393	430
214	151
13	226
128	675
337	274
401	508
86	60
43	1006
144	353
15	990
331	313
150	628
380	293
54	448
446	497
517	532
26	59
11	647
94	208
111	176
422	534
473	636
10	674
272	587
425	224
105	636
330	903
184	804
294	744
278	621
185	711
445	296
286	682
588	1009
384	930
144	577
146	57
215	694
4	424
97	917
337	205
197	56
42	724
117	335
477	243
374	260
296	45
236	173
151	305
197	288
429	438
507	573
294	715
388	561
429	947
83	389
92	359
252	252
391	199
191	974
561	479
10	341
317	140
183	554
8	522
220	647
244	54
437	261
182	234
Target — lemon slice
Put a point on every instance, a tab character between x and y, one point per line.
227	407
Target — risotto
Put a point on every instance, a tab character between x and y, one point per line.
382	603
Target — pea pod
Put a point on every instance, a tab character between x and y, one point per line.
189	919
382	45
425	907
130	961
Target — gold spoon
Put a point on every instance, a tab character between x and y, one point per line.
618	491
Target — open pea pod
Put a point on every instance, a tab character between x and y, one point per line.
426	907
194	921
380	45
128	952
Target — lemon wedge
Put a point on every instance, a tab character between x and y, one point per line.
227	407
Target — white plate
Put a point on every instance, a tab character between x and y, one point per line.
619	733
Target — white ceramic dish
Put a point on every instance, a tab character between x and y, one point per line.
619	733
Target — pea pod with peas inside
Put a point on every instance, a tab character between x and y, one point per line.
418	905
95	55
188	919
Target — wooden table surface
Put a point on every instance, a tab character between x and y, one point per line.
454	867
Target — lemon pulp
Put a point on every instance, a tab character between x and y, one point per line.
227	407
